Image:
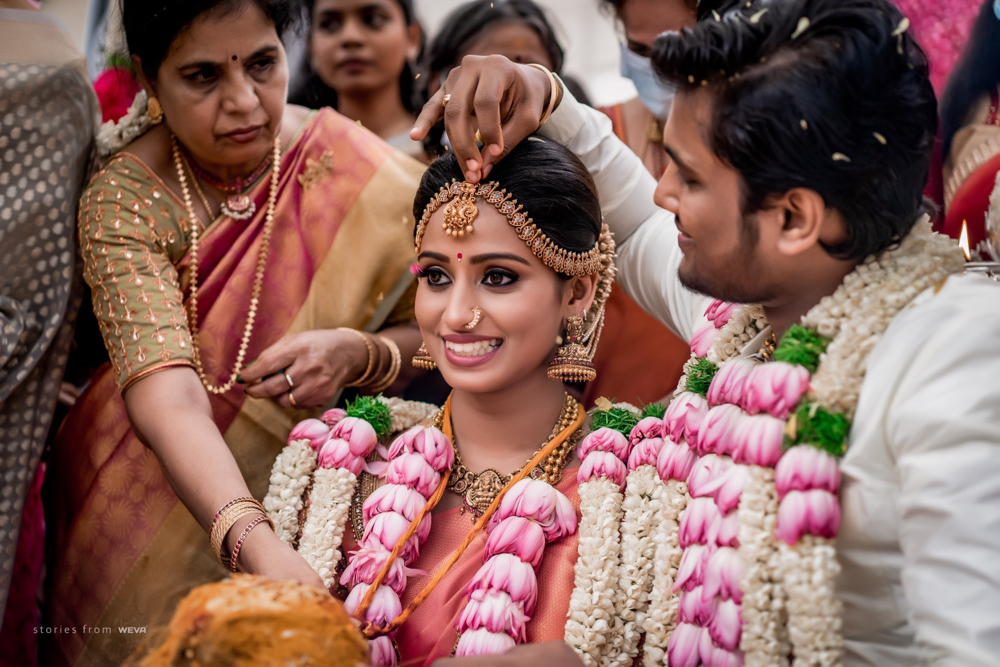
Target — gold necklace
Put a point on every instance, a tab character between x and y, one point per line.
258	282
479	489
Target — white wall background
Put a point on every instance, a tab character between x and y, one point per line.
586	32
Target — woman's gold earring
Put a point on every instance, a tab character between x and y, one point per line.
574	360
423	360
154	111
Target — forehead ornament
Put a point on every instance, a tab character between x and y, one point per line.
459	200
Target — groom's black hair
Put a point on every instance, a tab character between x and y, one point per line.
829	95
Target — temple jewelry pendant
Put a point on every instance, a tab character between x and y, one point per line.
239	207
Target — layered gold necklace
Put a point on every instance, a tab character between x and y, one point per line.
479	489
258	282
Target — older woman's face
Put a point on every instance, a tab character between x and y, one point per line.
223	86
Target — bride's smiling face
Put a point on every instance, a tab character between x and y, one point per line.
523	304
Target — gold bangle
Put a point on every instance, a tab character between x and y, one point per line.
228	516
371	357
554	89
395	365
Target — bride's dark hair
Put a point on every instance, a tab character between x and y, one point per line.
550	182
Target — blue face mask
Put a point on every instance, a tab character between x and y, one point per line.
654	94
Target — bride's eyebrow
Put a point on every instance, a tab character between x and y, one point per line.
493	256
433	255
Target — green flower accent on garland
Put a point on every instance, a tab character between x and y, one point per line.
700	375
802	347
813	425
373	411
618	419
654	410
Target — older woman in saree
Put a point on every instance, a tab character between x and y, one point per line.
235	228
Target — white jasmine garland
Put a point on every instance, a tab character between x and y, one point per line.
643	511
814	611
764	640
323	530
661	615
290	476
747	321
592	602
112	137
407	414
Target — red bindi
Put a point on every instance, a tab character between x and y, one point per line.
460	257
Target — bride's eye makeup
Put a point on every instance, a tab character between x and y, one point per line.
500	278
435	276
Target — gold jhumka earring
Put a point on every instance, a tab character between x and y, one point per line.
574	361
154	111
422	359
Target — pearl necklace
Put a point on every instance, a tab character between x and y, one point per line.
258	282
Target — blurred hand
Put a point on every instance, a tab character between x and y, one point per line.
319	363
502	99
525	655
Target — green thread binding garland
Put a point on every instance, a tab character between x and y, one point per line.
373	411
816	426
699	376
802	347
618	419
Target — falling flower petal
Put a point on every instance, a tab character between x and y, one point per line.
802	26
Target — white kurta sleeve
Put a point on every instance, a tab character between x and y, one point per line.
943	428
648	255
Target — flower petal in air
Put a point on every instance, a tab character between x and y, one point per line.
313	430
483	642
805	467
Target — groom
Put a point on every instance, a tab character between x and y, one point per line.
799	143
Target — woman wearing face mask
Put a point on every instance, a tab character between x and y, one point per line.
506	321
361	63
639	122
230	229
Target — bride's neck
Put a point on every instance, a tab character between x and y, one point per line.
504	428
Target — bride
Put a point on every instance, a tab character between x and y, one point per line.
513	276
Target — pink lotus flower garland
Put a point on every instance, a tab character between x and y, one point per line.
417	459
503	592
604	453
290	475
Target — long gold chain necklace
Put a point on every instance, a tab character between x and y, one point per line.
258	282
479	489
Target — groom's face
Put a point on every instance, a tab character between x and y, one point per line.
724	253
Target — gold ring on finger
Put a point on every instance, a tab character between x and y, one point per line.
291	399
445	100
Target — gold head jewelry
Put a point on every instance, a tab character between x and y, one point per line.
476	316
459	199
461	212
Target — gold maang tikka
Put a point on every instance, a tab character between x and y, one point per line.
461	211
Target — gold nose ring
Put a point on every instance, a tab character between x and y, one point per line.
476	316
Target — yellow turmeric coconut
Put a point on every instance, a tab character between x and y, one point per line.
247	620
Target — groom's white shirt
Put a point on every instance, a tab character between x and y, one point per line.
920	538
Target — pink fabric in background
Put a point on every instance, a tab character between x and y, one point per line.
941	27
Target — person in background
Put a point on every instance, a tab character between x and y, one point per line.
49	118
361	61
226	227
970	127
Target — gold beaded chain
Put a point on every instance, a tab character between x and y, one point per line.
479	489
258	282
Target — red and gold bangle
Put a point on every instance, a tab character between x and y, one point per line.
243	536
